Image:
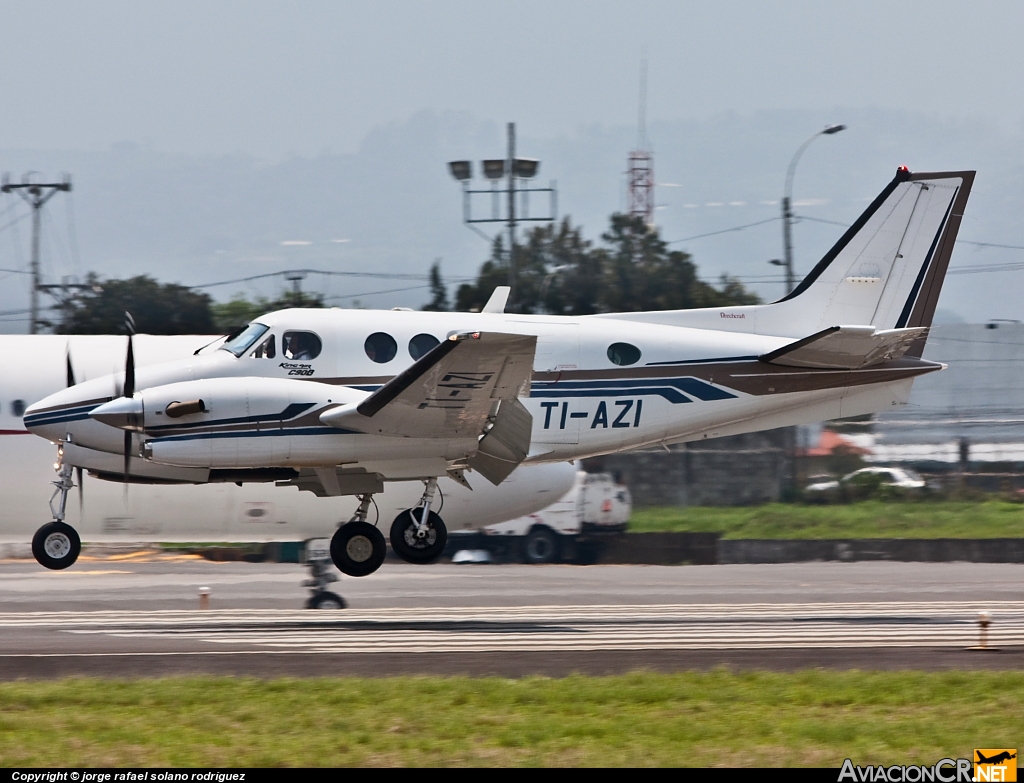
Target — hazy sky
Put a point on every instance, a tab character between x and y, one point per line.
213	140
274	79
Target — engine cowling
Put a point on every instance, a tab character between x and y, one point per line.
224	422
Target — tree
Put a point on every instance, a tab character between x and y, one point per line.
472	297
230	316
158	308
438	292
560	272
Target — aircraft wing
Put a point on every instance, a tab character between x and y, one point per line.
846	348
451	392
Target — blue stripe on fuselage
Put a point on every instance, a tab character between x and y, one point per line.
669	388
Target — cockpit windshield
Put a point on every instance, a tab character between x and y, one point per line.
244	341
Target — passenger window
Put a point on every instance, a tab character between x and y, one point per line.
18	408
623	354
300	345
380	347
266	350
420	344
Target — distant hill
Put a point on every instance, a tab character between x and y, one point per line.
392	207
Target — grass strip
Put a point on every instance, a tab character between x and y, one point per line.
701	719
867	519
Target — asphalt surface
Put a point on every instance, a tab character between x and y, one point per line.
139	615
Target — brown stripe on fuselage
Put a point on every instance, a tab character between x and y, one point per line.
749	376
69	406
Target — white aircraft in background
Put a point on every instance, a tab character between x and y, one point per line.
39	365
341	402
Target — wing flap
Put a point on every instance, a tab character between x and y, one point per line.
846	348
449	393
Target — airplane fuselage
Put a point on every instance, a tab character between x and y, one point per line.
599	385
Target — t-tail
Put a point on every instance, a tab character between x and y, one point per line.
886	270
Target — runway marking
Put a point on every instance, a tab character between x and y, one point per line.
539	628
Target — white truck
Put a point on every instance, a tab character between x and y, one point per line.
596	504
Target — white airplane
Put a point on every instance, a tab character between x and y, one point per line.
33	367
340	402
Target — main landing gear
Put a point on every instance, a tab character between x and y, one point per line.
358	548
56	545
418	535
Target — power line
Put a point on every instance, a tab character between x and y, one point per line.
13	222
990	244
821	220
723	231
372	293
378	275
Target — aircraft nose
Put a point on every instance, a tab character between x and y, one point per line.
51	416
125	413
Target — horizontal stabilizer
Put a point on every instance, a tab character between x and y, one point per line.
450	393
846	348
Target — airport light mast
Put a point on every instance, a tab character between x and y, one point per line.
494	170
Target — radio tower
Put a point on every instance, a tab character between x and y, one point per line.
641	163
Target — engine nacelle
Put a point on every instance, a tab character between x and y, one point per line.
225	422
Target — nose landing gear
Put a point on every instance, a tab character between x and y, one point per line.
56	545
418	535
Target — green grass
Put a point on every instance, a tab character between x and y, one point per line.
699	719
867	519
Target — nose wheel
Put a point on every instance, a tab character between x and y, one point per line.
56	545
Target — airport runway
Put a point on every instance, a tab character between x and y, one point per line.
139	616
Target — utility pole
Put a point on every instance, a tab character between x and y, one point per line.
35	195
511	167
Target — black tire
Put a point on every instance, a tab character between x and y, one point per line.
541	546
358	548
326	600
56	546
412	548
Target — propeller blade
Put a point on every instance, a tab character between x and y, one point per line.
79	478
69	368
129	371
127	463
129	391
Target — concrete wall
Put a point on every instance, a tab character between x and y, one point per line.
736	471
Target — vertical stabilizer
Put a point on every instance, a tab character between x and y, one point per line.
885	271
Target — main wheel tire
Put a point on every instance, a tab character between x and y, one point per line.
326	600
418	549
541	546
358	548
56	545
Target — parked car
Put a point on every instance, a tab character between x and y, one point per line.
901	478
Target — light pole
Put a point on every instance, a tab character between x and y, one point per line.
787	209
511	168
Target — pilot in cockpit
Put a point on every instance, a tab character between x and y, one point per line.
299	346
